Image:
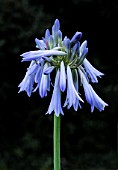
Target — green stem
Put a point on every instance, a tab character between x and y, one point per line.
56	142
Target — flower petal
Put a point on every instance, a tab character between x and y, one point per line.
62	81
33	55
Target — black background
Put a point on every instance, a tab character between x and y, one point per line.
88	140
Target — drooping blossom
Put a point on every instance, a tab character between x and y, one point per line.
66	58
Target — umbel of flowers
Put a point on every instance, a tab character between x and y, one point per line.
68	58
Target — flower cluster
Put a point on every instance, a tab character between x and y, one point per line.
68	58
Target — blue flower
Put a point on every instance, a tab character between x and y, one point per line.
68	58
76	85
62	81
92	98
72	94
44	83
76	37
55	104
92	72
28	81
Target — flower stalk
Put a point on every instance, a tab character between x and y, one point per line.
56	145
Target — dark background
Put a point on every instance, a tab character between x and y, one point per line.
88	140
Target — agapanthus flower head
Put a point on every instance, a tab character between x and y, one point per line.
68	58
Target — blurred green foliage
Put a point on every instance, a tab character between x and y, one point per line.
88	141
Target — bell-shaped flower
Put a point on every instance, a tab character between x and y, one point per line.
92	98
62	81
74	50
92	72
76	85
40	44
43	86
82	48
50	42
44	83
60	38
66	44
55	29
28	81
76	37
47	34
55	104
82	52
27	84
72	94
38	74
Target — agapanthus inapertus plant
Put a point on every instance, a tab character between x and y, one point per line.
66	58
